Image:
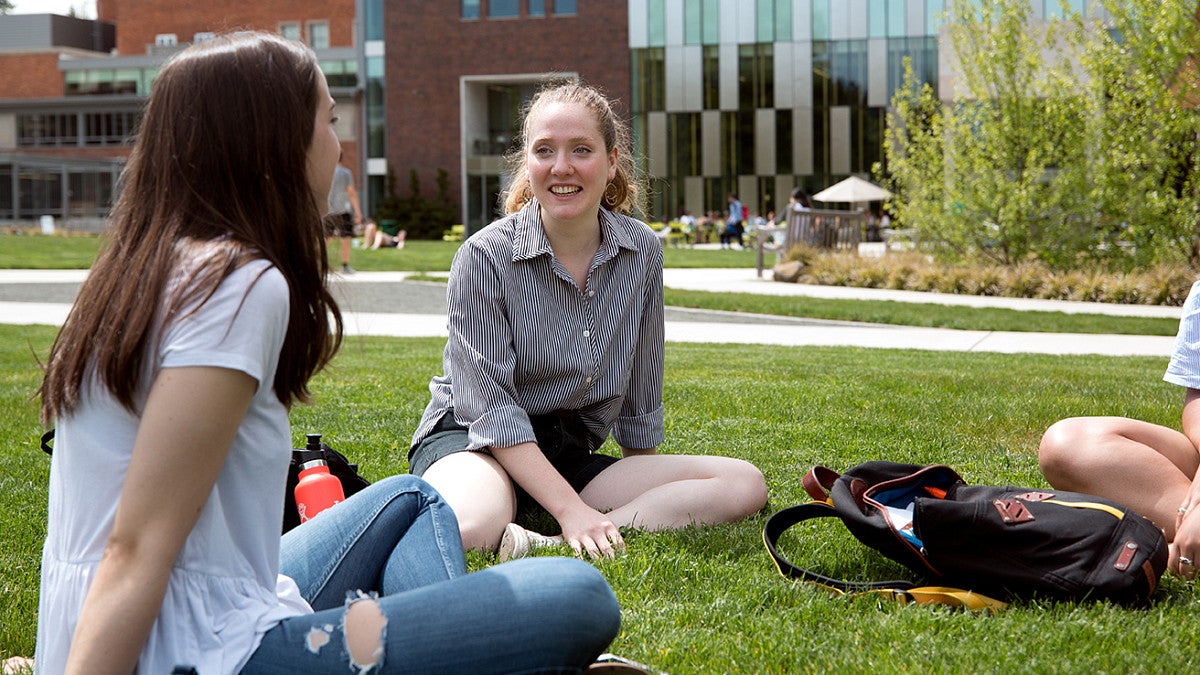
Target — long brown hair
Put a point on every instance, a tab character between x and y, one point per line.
623	192
219	162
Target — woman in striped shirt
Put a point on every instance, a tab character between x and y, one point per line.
556	342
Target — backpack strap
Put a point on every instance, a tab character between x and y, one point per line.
818	482
898	589
46	438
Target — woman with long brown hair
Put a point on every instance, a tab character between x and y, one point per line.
170	384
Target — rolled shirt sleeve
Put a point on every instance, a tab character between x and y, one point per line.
1184	367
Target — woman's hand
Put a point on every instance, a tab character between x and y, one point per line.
1185	547
586	529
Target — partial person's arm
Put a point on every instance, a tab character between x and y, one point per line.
1187	523
353	195
189	422
583	528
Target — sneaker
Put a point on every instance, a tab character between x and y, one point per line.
611	664
347	269
519	542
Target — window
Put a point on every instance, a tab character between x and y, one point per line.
564	7
537	7
470	9
656	23
318	34
166	40
203	36
503	9
290	30
774	20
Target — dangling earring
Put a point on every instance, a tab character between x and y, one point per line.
610	194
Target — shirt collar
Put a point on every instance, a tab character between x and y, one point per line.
529	240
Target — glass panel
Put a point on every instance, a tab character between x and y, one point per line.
6	192
783	20
820	20
374	19
537	7
290	30
564	7
656	23
712	77
503	9
376	109
649	79
712	22
877	18
692	22
746	79
73	83
126	80
40	192
896	18
470	9
318	35
764	17
933	16
783	141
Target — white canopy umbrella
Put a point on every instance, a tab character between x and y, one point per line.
853	189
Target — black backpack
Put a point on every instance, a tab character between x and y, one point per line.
1003	542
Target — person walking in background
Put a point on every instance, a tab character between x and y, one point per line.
170	398
1152	469
555	342
344	213
735	224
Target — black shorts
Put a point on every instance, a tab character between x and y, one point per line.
562	437
339	225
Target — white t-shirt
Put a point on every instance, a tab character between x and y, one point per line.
1184	368
224	590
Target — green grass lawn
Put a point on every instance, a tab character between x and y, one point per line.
59	252
708	600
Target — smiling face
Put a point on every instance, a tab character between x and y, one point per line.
569	167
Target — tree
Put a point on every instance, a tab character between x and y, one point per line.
6	6
1147	131
1067	141
1007	184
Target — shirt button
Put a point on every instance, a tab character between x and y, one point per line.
587	333
588	380
591	294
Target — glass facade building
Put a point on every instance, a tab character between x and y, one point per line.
759	96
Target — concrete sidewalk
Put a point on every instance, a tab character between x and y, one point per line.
403	314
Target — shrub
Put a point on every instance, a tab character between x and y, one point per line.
1161	285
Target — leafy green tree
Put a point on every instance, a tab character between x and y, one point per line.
1147	132
6	6
1008	184
1071	142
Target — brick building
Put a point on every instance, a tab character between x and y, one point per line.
72	89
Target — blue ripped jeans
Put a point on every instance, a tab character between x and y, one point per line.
398	539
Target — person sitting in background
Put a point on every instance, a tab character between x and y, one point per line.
387	235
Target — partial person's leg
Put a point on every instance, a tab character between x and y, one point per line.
656	492
553	615
1144	466
369	231
393	536
481	494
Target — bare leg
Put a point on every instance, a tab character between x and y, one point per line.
346	251
664	491
480	493
369	234
1144	466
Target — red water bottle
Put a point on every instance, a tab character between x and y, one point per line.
318	489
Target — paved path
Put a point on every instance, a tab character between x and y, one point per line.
384	303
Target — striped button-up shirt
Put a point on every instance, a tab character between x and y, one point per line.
525	340
1184	367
